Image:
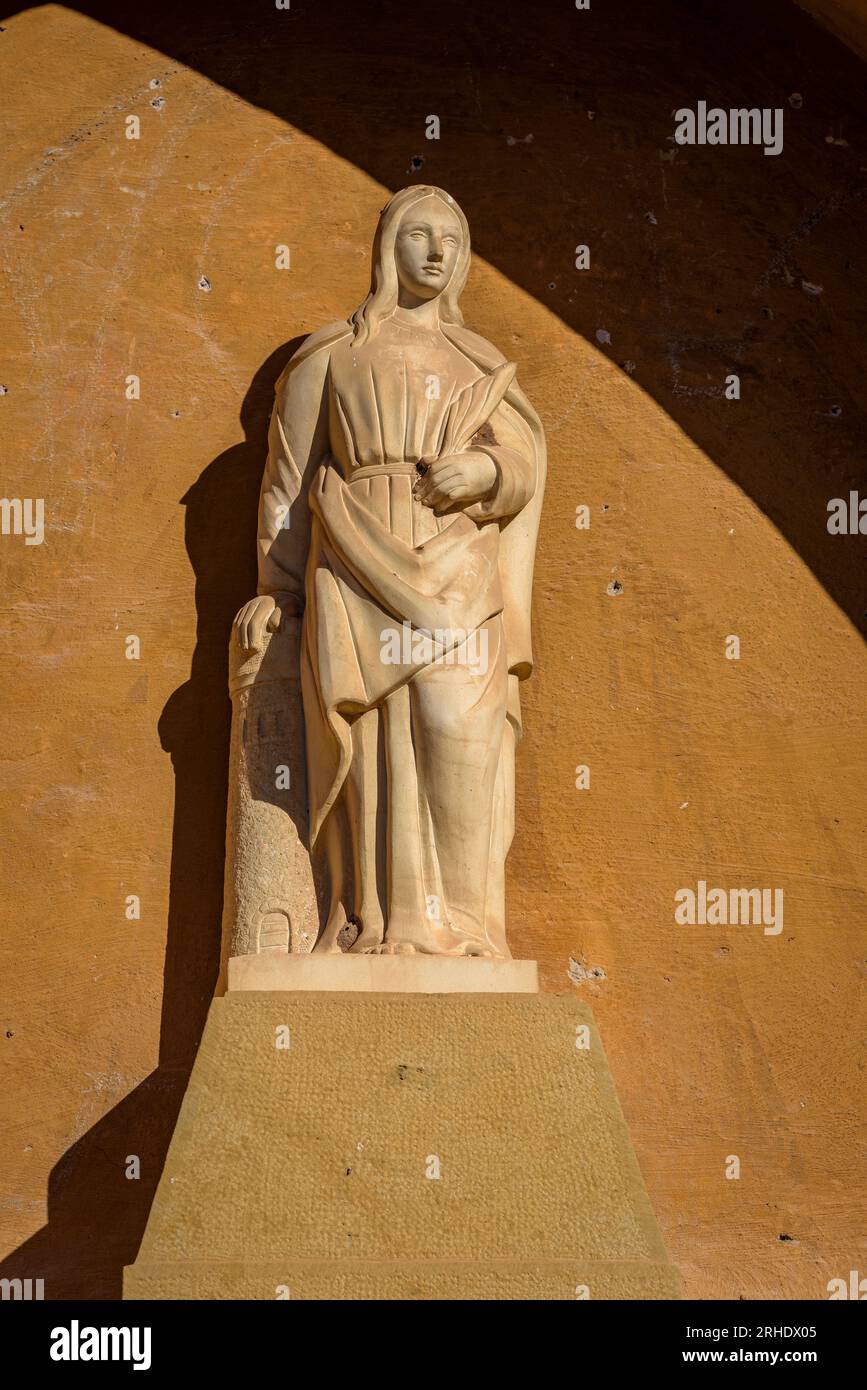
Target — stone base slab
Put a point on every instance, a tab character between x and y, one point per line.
274	970
406	1281
377	1146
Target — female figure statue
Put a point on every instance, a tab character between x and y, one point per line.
398	520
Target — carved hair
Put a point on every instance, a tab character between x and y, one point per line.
381	300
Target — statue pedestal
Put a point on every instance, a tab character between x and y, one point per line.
400	1146
382	974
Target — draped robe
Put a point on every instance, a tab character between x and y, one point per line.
410	743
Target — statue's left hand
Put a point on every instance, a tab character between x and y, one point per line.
466	477
257	617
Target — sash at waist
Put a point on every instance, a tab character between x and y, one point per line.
384	470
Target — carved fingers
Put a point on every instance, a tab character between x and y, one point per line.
251	623
457	478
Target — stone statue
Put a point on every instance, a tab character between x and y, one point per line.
397	529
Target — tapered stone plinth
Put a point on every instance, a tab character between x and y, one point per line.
384	1146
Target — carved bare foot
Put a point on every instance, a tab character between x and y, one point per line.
392	948
369	941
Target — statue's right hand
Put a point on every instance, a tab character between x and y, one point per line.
257	617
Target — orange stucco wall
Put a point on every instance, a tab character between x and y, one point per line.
709	513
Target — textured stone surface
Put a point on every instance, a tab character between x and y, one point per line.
293	127
269	897
319	1152
547	1280
383	974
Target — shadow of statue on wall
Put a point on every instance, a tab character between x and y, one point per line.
96	1215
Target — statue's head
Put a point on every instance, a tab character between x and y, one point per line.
422	246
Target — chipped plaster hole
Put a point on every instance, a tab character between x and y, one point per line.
614	588
204	283
578	973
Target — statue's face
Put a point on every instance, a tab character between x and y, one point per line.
427	246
